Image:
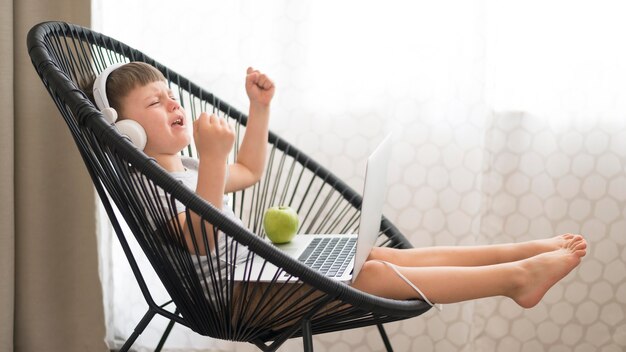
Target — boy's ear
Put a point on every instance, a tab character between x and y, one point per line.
129	128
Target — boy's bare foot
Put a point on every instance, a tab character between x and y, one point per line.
542	271
551	244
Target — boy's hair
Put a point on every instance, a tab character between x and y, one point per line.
124	79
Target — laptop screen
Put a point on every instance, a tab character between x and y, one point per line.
374	194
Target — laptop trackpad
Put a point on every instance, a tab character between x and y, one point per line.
295	247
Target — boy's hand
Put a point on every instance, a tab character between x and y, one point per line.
213	136
259	87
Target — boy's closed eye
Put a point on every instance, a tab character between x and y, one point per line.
159	99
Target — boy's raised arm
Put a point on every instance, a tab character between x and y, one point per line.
250	163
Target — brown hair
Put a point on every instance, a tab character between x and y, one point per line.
124	79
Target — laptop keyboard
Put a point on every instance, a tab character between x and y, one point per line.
330	256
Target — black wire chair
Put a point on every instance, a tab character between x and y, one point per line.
209	301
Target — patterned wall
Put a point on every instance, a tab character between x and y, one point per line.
461	173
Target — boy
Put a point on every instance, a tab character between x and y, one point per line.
521	271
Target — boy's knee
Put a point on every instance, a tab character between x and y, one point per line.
370	277
373	268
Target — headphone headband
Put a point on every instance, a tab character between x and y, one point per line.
100	86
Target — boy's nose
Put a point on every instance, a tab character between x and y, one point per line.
174	105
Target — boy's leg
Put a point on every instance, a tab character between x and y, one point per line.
471	255
525	281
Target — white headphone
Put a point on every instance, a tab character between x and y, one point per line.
130	128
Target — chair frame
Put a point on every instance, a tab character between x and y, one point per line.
64	54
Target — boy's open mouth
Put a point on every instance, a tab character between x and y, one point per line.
179	121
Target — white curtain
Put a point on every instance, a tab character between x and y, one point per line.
510	121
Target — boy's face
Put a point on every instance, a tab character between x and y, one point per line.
154	107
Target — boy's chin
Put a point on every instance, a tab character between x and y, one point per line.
182	143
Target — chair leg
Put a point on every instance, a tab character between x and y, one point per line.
138	330
166	333
383	335
307	335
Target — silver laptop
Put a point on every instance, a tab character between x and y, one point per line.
338	256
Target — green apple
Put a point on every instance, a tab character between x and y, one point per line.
280	224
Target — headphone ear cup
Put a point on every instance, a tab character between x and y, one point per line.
110	115
133	130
